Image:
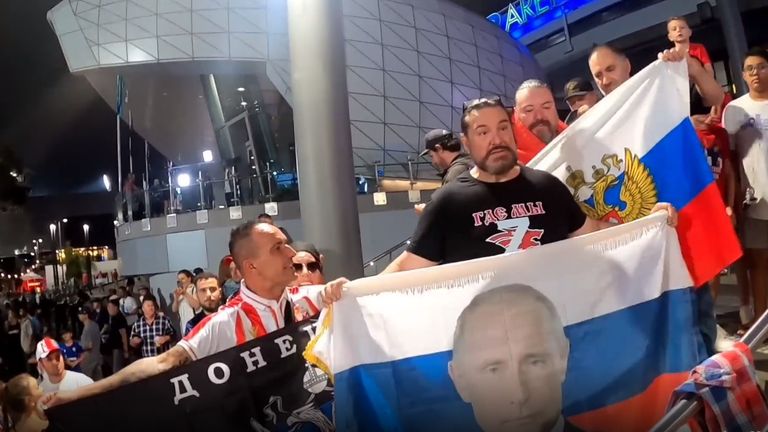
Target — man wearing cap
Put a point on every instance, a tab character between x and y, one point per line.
580	95
445	150
51	365
90	339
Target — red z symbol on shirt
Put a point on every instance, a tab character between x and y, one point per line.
515	235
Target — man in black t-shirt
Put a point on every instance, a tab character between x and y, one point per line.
498	206
115	336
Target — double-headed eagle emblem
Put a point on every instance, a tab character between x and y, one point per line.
636	197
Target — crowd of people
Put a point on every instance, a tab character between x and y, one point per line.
269	281
117	332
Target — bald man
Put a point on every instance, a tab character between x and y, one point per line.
610	68
511	368
264	259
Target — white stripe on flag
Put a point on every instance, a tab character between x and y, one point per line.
658	95
639	256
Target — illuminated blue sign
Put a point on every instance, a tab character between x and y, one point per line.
523	16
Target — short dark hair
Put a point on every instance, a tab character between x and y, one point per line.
150	298
206	275
609	47
186	273
757	52
239	234
300	246
66	330
264	216
197	271
678	18
476	105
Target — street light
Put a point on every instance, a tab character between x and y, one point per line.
183	180
86	230
107	182
207	156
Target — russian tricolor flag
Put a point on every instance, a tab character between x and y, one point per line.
648	117
624	299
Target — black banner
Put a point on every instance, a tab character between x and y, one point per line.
263	385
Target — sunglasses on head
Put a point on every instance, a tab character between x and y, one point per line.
474	103
312	267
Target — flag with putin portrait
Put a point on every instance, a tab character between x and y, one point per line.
592	333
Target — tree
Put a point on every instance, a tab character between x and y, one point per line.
13	189
74	264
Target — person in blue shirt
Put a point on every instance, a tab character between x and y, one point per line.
71	350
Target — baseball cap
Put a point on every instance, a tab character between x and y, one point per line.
436	137
45	347
577	87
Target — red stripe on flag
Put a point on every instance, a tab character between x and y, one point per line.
638	413
707	239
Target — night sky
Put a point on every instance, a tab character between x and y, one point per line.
57	123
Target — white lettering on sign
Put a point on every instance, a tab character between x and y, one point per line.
286	347
179	381
251	357
212	373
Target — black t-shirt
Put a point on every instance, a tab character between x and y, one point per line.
115	323
471	219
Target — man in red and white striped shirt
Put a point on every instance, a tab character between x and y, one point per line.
263	257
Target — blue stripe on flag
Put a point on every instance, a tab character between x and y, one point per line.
620	354
679	166
623	352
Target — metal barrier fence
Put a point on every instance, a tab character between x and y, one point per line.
686	408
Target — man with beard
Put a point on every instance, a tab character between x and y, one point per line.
499	206
536	123
209	295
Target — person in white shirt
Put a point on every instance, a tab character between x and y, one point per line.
128	305
185	301
51	366
264	259
746	120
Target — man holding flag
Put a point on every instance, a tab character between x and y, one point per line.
499	206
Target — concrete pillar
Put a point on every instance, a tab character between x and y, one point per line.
327	191
735	40
223	139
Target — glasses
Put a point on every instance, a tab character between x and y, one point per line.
312	267
481	103
758	68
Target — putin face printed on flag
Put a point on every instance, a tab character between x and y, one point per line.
510	356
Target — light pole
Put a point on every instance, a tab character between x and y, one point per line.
61	233
86	230
52	228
